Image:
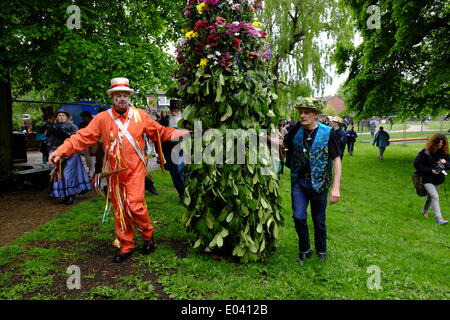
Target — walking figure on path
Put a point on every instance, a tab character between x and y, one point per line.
381	140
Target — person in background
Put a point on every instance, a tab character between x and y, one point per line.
351	138
427	164
178	177
98	151
381	140
89	153
74	179
283	132
373	126
337	124
164	118
42	138
323	119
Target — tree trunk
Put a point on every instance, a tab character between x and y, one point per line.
6	160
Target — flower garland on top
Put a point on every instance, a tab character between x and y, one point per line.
220	33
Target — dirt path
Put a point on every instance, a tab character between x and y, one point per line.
25	211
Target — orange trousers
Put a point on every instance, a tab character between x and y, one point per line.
140	219
134	182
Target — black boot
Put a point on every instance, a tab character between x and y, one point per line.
150	186
148	246
121	257
69	199
303	256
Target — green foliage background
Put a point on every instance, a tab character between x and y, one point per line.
401	68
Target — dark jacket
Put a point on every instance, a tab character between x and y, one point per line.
57	133
426	161
381	139
351	135
288	140
342	139
164	121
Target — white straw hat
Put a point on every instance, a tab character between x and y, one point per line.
120	84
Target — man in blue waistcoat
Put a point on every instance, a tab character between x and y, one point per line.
314	156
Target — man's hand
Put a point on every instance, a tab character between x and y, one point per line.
53	158
335	195
182	132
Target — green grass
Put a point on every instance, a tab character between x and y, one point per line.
400	135
440	125
376	223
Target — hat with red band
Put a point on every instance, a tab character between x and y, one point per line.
120	84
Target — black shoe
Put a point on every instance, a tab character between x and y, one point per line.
322	256
303	256
148	247
153	190
69	199
121	257
149	186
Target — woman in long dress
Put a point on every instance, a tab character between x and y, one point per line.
74	179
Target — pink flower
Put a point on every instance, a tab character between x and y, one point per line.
220	21
236	7
254	32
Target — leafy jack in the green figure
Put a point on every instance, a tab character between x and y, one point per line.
224	81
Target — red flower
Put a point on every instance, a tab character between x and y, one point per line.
199	49
200	25
236	43
225	60
263	34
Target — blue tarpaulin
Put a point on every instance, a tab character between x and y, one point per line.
75	108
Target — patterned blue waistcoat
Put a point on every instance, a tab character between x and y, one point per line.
319	159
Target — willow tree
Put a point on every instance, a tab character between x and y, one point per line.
224	83
296	29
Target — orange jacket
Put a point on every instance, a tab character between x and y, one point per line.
103	126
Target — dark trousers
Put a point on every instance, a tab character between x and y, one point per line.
350	145
303	194
178	178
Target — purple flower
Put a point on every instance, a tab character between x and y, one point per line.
211	2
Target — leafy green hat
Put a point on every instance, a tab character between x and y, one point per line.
309	103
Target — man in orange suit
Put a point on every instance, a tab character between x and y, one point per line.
122	129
